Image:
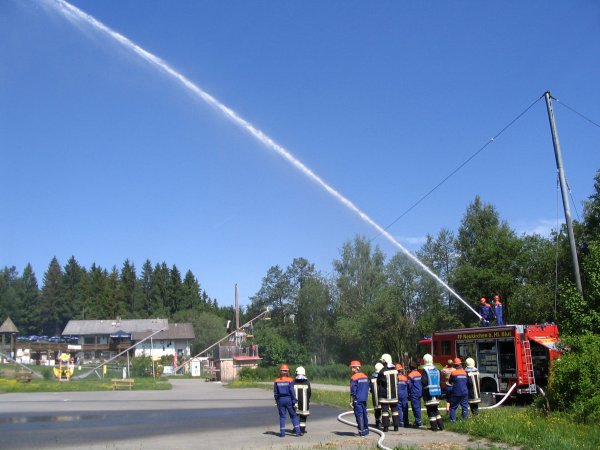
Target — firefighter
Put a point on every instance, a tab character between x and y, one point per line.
387	389
359	393
498	310
285	398
474	393
460	391
446	372
415	391
403	418
485	312
374	395
432	391
302	391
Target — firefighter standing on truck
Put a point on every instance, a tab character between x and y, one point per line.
432	391
285	398
486	312
474	394
302	391
387	387
375	396
403	418
415	391
460	391
359	394
498	311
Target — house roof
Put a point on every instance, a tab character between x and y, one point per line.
8	327
95	327
175	331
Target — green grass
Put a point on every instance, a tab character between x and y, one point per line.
88	384
530	429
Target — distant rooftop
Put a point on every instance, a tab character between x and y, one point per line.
96	327
8	327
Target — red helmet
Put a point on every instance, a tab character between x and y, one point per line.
482	300
398	366
355	363
284	368
457	361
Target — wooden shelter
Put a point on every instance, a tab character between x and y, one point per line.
9	329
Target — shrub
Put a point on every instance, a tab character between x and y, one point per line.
572	386
339	372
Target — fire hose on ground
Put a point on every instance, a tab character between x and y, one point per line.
382	434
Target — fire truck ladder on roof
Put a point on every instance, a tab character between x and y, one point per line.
531	389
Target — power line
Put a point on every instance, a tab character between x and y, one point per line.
464	163
576	112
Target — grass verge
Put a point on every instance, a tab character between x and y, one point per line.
39	385
528	428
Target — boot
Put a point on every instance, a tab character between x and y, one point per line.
440	424
378	424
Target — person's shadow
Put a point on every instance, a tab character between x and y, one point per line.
345	433
272	433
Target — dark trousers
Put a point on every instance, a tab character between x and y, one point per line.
434	415
385	414
474	408
415	404
284	404
377	413
403	413
362	420
455	402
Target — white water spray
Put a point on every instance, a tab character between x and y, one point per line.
77	16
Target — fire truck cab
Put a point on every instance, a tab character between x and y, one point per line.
504	355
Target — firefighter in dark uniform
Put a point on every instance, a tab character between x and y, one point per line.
403	418
285	397
302	391
415	391
387	388
432	391
498	311
474	397
374	395
460	391
359	394
486	312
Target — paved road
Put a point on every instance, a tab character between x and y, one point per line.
193	415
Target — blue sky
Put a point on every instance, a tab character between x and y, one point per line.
105	157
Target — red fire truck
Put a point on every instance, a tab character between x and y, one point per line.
504	355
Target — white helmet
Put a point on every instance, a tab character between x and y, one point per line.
300	371
378	366
470	363
386	358
428	359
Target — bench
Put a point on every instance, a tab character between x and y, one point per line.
211	375
23	376
122	383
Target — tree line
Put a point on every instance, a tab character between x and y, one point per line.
369	305
74	292
366	305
